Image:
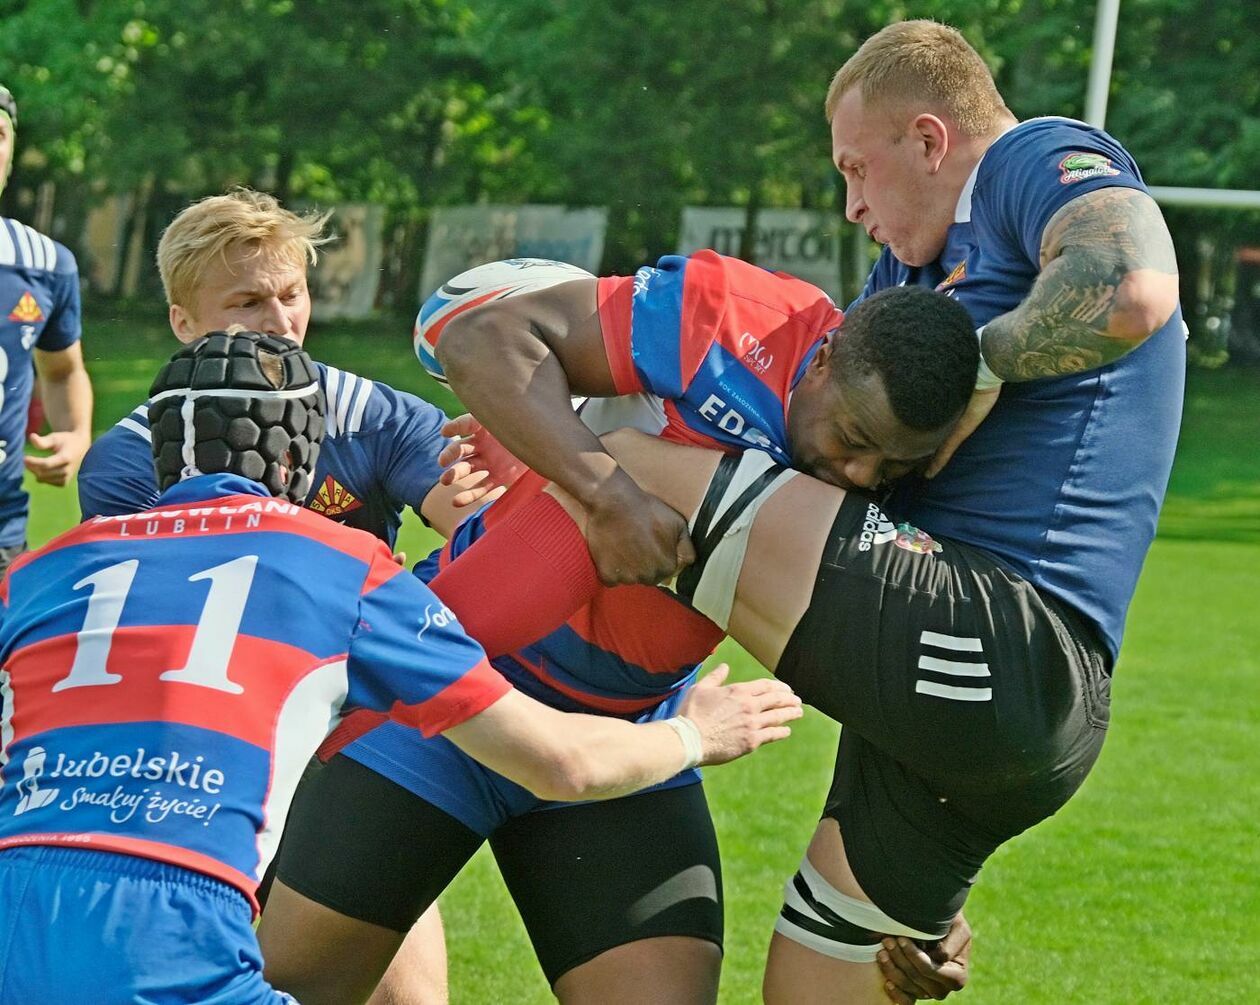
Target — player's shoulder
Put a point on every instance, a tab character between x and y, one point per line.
23	246
1056	151
737	279
360	406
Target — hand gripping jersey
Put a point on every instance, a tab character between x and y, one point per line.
622	654
1064	479
721	342
167	675
39	309
379	456
632	652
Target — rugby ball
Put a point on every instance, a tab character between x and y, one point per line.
492	281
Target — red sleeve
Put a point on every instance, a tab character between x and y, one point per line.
614	294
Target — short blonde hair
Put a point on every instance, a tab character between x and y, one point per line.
243	218
927	62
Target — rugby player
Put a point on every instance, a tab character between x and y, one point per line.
39	318
241	258
350	883
1044	232
154	731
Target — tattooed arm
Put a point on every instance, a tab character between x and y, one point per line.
1108	281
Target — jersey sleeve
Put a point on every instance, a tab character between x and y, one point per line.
409	655
117	474
659	325
406	440
64	325
1055	163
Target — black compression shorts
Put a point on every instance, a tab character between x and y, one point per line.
972	706
586	877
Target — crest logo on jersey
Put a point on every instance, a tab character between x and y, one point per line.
31	795
333	499
1079	166
27	310
957	276
910	538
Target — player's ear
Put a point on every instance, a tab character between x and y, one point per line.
933	138
182	324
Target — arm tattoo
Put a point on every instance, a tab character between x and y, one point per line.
1089	248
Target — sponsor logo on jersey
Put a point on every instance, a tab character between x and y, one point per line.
442	617
957	276
727	419
31	795
163	800
333	499
754	353
27	310
1079	166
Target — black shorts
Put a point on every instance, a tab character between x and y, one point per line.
973	706
586	878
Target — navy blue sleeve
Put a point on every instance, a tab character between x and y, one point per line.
64	326
406	442
117	474
1054	162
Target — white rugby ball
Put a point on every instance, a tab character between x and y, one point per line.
492	281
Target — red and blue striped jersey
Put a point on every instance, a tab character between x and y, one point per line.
625	652
721	342
168	674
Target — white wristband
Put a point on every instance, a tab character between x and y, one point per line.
986	379
689	733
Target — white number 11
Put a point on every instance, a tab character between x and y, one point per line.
213	639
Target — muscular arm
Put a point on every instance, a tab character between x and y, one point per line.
569	756
514	363
1108	281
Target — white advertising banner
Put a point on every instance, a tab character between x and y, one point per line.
803	242
345	281
463	236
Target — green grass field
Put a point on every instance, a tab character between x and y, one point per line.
1144	889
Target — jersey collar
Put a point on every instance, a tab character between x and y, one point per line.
199	488
962	212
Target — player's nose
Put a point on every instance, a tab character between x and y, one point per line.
863	470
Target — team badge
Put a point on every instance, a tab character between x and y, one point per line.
333	499
957	276
1079	166
27	310
912	539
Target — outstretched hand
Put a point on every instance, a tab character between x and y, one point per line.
911	973
736	719
477	460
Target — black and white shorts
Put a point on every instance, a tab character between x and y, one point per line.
973	706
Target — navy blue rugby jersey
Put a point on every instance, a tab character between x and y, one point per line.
379	455
39	309
1064	480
